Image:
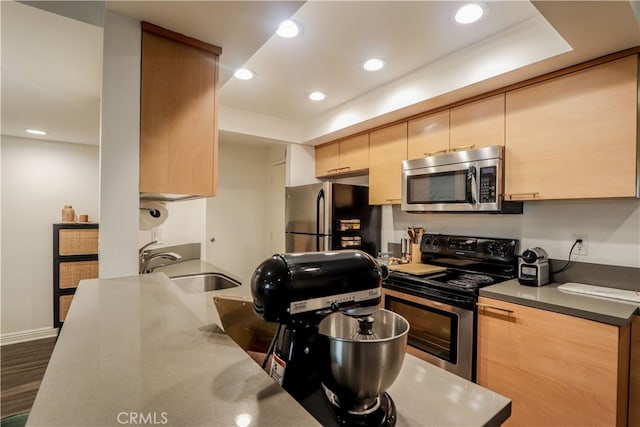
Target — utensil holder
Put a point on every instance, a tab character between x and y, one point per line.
416	255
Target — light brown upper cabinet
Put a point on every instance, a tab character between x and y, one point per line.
178	114
428	135
387	150
478	124
473	125
346	157
574	136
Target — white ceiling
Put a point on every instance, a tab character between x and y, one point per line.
51	64
339	36
51	74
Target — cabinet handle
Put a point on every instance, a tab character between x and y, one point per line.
463	147
493	307
436	152
333	170
393	200
345	168
533	195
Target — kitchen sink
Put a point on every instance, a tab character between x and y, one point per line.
204	282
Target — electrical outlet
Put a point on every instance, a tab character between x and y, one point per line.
582	248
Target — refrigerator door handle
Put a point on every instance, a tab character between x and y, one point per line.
318	199
326	243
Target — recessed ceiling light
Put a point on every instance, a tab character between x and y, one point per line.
373	64
289	29
243	420
35	131
469	13
317	96
244	74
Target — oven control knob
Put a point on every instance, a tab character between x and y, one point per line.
428	241
436	241
492	248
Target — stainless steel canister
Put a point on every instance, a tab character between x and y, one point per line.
405	247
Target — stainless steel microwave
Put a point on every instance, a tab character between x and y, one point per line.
463	181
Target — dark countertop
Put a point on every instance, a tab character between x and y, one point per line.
549	297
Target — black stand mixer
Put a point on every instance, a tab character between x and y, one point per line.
335	351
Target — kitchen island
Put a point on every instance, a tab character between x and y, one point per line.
138	350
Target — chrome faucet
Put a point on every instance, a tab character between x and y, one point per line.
145	259
141	254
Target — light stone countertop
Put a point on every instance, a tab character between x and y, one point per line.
139	346
549	297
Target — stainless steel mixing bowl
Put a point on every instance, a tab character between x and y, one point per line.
357	367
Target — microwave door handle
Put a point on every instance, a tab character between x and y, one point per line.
472	185
318	199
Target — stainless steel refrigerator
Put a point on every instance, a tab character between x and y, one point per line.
328	216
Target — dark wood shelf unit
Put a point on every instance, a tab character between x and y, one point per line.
75	258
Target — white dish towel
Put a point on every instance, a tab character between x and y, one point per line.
601	291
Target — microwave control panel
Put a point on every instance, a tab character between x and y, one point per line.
488	180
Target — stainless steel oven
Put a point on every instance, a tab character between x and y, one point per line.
440	333
441	307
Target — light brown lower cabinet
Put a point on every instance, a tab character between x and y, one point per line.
634	374
558	370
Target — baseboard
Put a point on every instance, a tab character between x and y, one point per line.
30	335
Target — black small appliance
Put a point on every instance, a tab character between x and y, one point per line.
533	267
298	291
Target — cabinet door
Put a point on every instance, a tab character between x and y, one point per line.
556	369
77	241
72	272
178	129
327	159
354	153
478	124
387	150
634	374
428	135
574	136
64	303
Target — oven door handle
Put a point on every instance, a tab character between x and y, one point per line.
494	307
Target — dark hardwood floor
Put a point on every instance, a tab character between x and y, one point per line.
22	369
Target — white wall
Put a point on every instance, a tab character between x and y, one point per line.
186	223
239	216
277	182
612	228
119	147
38	178
247	215
301	165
